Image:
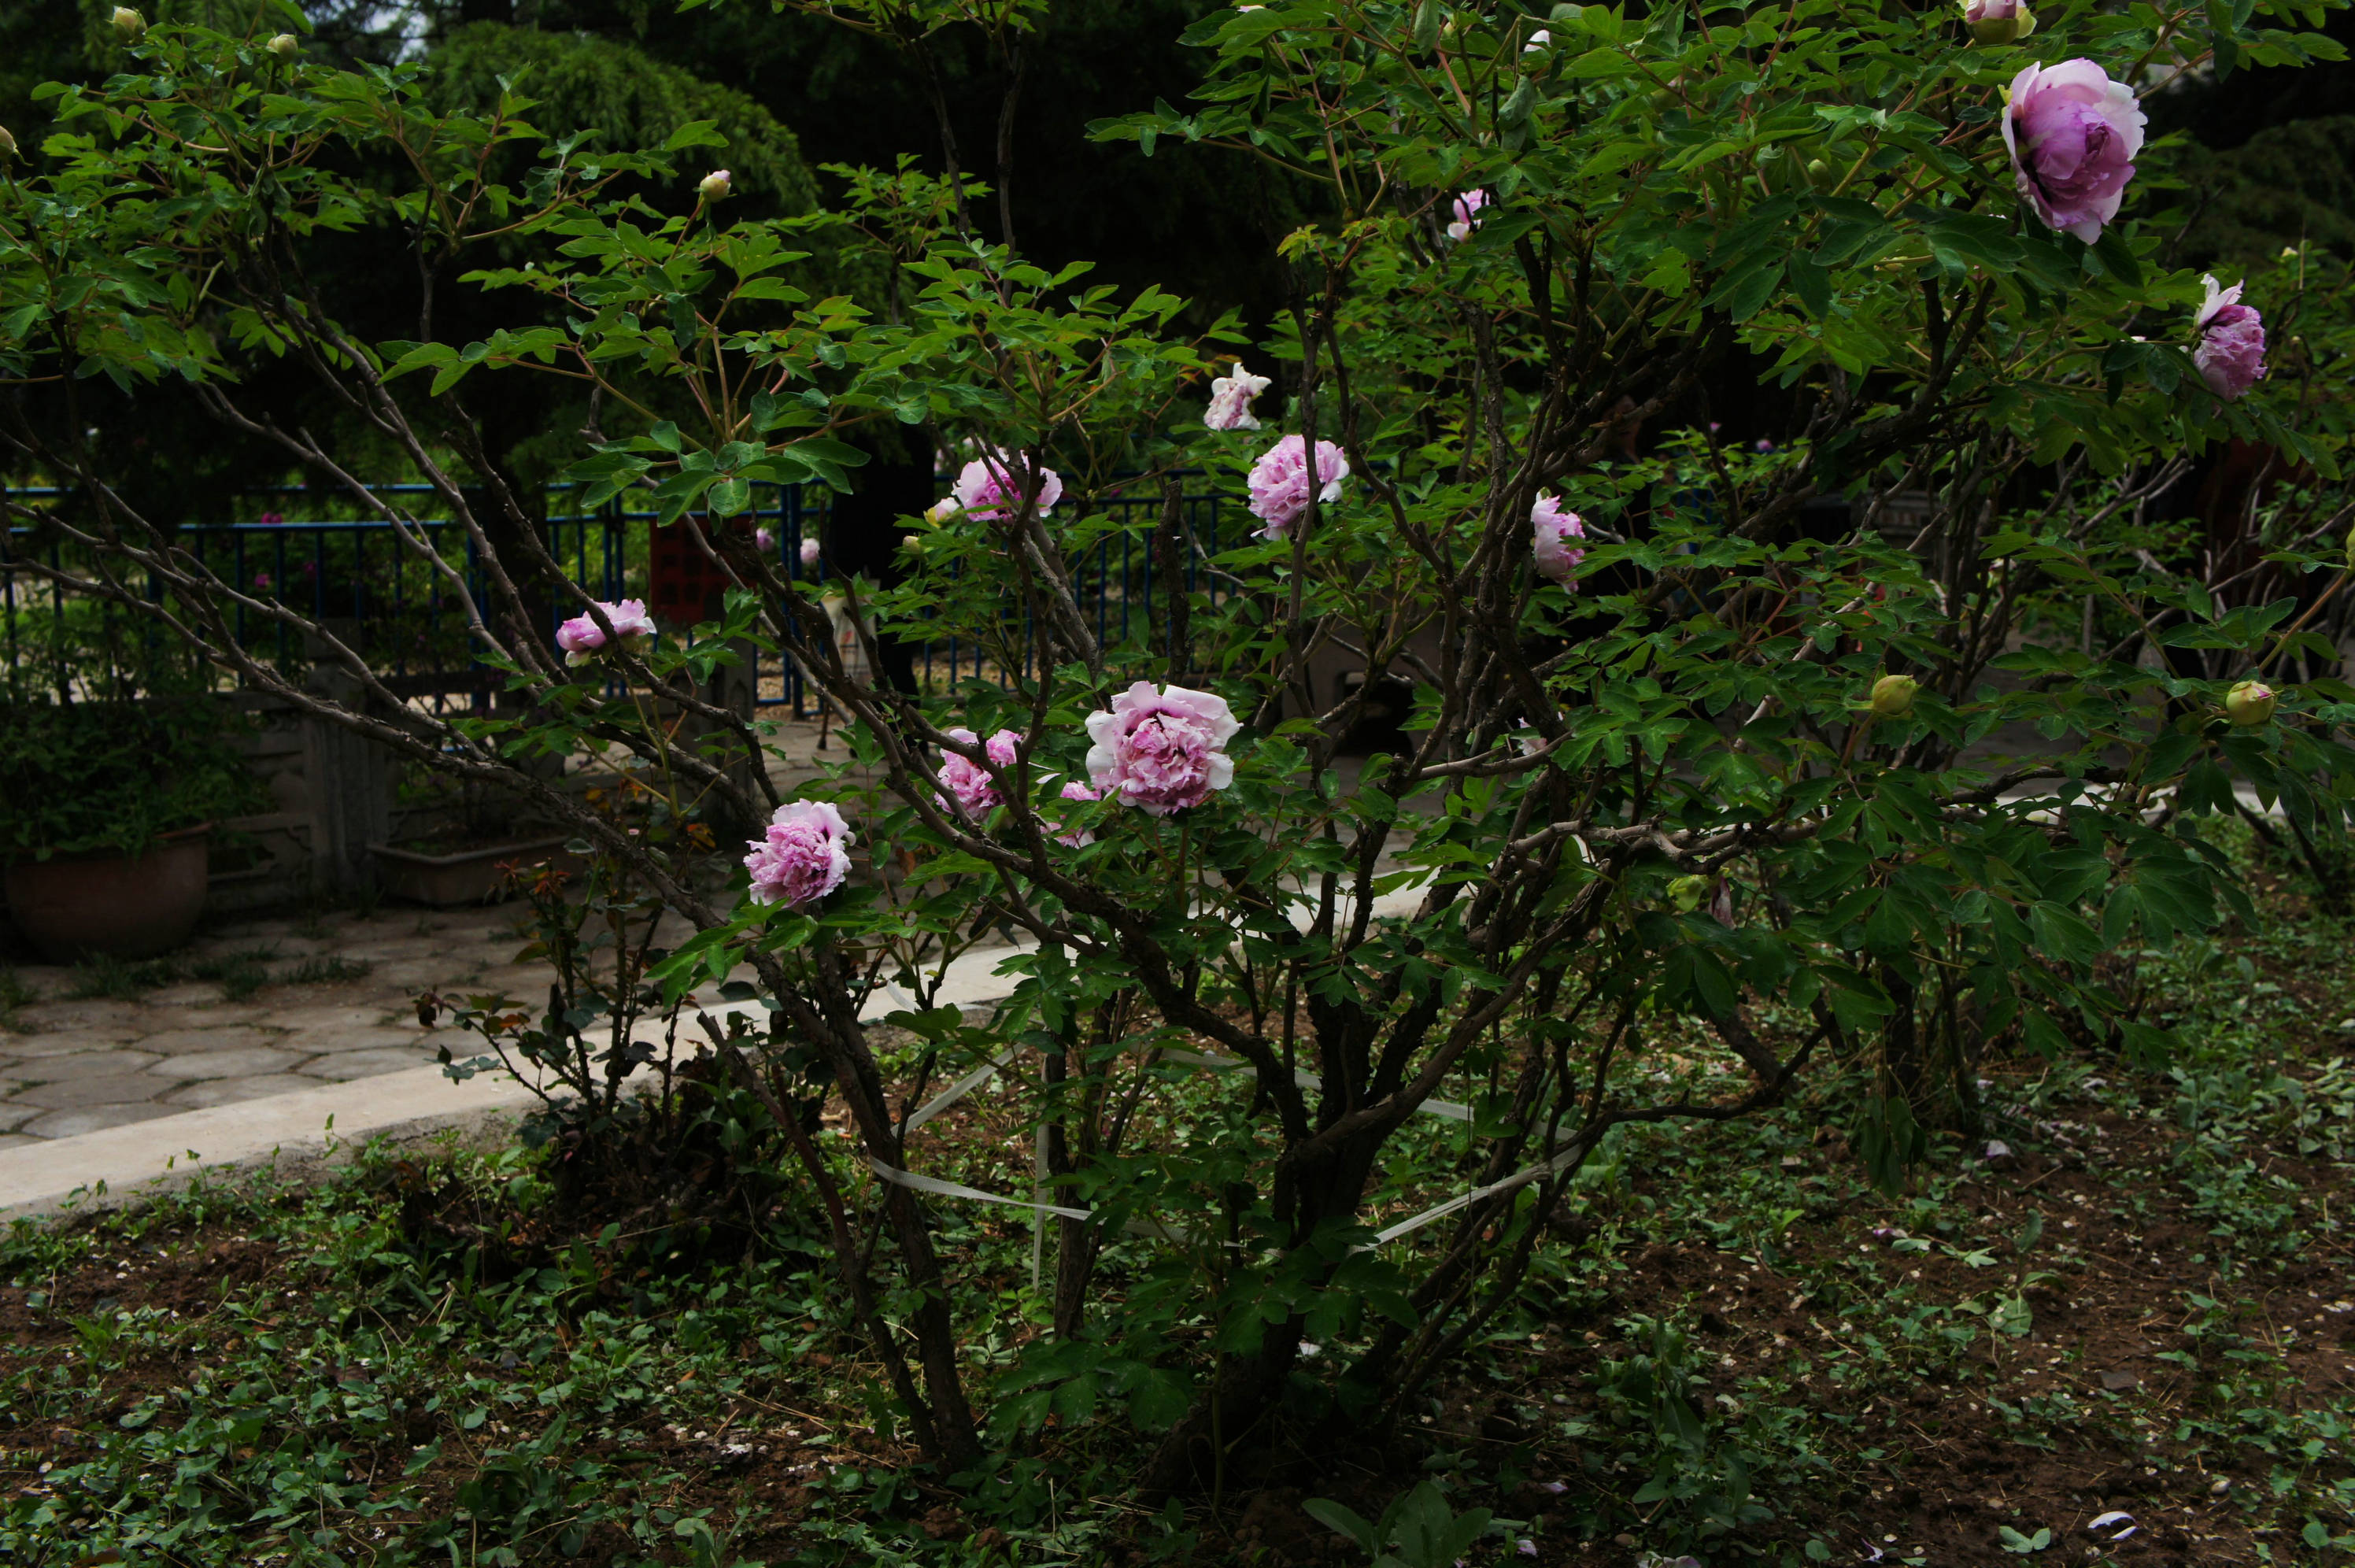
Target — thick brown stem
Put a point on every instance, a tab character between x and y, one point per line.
848	1261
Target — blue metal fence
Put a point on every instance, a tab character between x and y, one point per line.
409	622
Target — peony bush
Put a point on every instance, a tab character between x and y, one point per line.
1733	430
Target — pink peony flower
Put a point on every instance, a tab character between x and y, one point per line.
991	487
271	519
2231	352
764	540
2073	134
1467	214
1556	560
1231	400
968	782
1279	483
809	552
580	637
801	857
1074	790
1162	751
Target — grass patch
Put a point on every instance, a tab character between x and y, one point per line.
104	977
239	975
1734	1347
326	969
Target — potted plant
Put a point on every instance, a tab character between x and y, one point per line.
462	838
106	816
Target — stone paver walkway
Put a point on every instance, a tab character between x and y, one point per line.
72	1066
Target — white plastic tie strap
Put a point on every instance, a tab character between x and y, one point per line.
1446	1109
959	1090
1520	1179
940	1188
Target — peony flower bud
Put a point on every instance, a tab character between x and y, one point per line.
1998	22
286	46
1821	174
130	23
1892	696
7	143
1688	892
582	638
714	186
2248	703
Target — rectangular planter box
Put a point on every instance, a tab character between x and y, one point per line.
467	877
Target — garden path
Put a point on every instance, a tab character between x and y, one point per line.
254	1007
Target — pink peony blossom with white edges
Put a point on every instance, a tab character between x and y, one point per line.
809	552
580	637
2231	352
1557	559
969	785
2073	136
801	857
992	487
1279	483
1162	751
1231	400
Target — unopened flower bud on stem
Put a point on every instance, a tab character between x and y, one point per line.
1892	696
714	187
130	23
2250	703
286	46
1998	22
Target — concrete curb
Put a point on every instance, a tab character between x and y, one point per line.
299	1129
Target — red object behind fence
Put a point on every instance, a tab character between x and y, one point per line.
684	584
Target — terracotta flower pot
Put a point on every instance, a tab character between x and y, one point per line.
73	907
